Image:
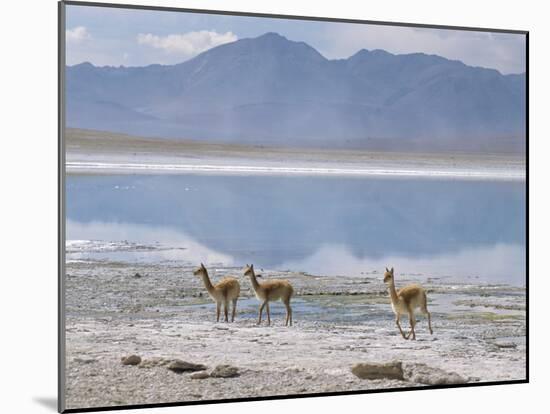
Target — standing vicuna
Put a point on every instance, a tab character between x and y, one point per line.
224	291
406	300
271	290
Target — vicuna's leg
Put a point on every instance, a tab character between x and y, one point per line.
218	308
234	310
218	304
425	312
288	313
225	306
412	322
261	310
397	321
290	309
429	322
268	314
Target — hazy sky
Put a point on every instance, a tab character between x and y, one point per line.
108	36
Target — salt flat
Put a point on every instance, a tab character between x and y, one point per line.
99	152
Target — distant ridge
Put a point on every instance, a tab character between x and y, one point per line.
270	90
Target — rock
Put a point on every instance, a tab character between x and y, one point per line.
506	345
389	370
424	374
225	371
137	275
177	365
131	360
200	375
153	362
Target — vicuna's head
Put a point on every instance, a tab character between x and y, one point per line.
249	270
199	271
388	275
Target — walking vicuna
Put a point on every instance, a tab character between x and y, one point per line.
271	290
406	300
223	292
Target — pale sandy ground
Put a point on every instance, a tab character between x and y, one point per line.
104	152
339	321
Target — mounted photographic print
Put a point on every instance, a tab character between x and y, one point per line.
264	206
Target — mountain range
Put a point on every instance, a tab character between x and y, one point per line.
273	91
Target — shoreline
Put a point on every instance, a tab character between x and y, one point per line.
96	152
129	168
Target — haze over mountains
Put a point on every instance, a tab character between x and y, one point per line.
272	91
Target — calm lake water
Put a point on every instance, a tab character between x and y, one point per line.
322	225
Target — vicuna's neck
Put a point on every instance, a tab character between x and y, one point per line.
393	292
254	281
207	282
